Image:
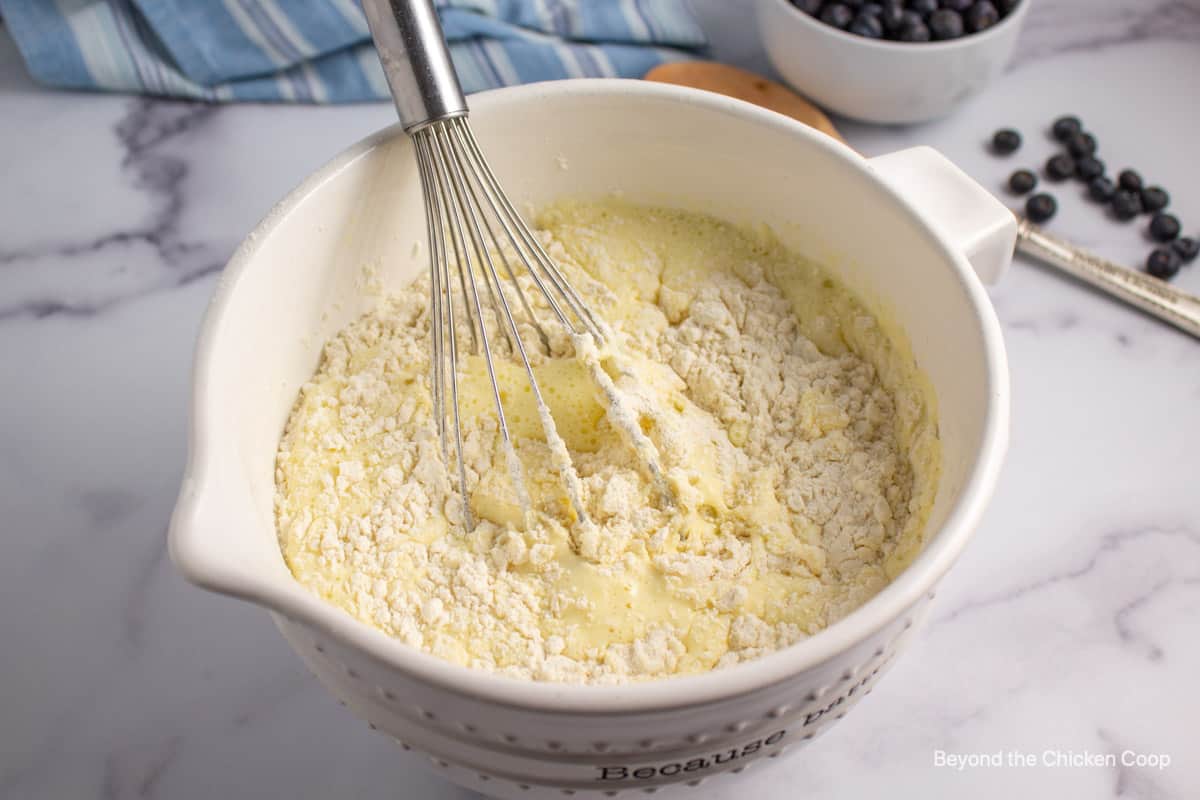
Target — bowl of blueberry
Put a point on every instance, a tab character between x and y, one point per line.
890	61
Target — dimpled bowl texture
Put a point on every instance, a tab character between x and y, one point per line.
299	278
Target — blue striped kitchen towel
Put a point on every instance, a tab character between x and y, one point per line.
319	51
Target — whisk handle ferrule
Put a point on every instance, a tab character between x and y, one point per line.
416	61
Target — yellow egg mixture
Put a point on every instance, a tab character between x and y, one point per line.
795	444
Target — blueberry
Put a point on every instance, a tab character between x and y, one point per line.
874	9
854	3
1130	180
1089	168
1164	263
1082	144
892	16
956	5
1126	204
1005	141
1164	227
945	24
1101	189
1022	181
1007	6
838	15
1154	198
867	25
915	33
1060	167
1066	127
910	17
981	16
808	6
923	7
1186	248
1040	207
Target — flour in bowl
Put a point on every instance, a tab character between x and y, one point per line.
779	472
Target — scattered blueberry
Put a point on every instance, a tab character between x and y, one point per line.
1040	207
1082	144
981	16
838	15
1022	181
1126	204
1060	167
1154	198
1101	189
1066	127
1164	263
1127	196
1164	227
918	32
946	24
892	16
867	25
1130	181
909	20
1005	141
1186	248
1089	168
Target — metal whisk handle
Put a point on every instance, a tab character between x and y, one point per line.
416	61
1169	304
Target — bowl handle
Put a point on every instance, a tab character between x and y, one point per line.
970	218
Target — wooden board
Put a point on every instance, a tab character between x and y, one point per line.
744	85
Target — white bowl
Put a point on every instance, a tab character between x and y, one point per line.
881	81
298	278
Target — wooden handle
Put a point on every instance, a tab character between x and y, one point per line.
744	85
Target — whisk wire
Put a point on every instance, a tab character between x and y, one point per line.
456	179
446	342
434	239
457	218
504	311
467	211
504	210
477	180
459	246
481	251
484	258
495	196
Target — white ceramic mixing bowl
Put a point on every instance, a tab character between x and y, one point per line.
903	231
882	81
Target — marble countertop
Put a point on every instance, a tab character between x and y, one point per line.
1068	626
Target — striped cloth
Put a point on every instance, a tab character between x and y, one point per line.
319	51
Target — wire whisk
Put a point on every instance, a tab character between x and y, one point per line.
471	225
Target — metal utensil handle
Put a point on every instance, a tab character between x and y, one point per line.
1147	293
416	61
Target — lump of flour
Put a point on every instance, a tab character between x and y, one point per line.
793	449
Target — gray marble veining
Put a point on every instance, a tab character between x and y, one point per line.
1068	625
1057	28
